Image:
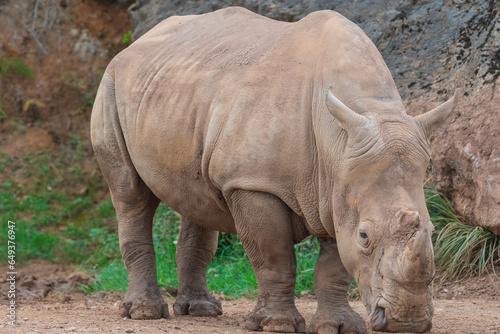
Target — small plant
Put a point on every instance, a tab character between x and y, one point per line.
459	249
15	66
31	102
127	38
3	115
76	82
79	150
80	84
90	96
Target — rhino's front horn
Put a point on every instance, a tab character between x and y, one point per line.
422	245
419	258
348	119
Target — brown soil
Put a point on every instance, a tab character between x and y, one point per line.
46	305
77	39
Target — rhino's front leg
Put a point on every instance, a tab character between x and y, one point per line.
263	223
331	281
195	248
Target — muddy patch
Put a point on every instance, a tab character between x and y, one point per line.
42	279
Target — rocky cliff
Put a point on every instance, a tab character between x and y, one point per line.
431	48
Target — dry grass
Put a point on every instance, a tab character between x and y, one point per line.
460	250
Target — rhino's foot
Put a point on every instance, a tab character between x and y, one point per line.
144	308
275	320
337	322
205	307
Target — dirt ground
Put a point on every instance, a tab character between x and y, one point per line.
46	305
99	314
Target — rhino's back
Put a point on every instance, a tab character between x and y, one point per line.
216	52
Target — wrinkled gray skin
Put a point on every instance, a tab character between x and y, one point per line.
274	131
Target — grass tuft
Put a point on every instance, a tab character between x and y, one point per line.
460	250
15	66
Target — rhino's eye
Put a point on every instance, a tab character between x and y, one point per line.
363	241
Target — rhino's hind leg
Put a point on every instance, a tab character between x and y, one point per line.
195	248
135	206
143	299
331	281
263	223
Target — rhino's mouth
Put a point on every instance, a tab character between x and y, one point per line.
378	322
378	317
382	320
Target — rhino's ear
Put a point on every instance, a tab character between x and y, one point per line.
437	117
347	118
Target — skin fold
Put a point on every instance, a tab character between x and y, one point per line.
274	131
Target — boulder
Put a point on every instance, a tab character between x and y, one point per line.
466	157
431	48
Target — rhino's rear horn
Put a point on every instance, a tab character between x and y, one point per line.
437	117
408	218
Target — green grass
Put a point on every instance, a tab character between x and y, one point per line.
127	37
459	250
15	66
50	198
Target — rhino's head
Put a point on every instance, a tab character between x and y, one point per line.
381	222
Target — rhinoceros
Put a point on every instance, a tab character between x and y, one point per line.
274	131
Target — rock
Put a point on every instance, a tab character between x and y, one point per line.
124	2
219	296
88	47
28	281
431	48
466	159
